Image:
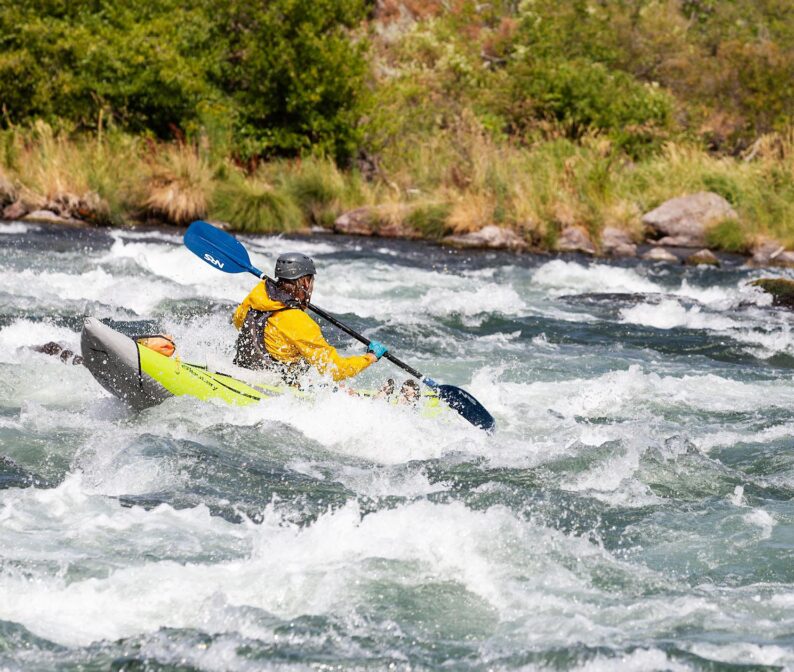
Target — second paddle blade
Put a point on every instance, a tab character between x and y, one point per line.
465	404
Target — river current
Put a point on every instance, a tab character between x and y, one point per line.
632	511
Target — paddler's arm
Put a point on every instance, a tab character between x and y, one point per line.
305	333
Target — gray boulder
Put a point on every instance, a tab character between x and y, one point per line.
781	289
358	222
17	210
770	252
660	254
8	192
575	239
490	237
617	243
49	217
683	221
702	258
388	222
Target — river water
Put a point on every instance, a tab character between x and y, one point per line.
633	509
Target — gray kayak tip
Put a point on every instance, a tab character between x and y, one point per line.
112	358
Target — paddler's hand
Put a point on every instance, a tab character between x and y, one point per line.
376	349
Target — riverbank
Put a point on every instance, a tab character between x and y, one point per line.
553	196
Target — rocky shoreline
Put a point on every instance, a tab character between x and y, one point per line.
675	232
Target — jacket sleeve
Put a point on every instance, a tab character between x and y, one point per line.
305	334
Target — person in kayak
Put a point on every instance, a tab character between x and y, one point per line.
277	334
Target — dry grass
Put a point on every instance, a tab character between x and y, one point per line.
459	179
179	184
90	177
471	211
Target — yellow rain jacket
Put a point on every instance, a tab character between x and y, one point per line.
291	336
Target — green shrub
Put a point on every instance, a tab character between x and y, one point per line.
293	74
253	206
284	75
316	186
728	235
430	219
145	64
724	185
580	97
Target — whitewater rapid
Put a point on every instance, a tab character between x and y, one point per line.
632	511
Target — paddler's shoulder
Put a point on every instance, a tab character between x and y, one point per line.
295	318
259	299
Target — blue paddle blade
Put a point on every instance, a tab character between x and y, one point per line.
218	248
465	404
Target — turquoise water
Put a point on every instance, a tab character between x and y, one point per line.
632	511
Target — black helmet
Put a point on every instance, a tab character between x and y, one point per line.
294	265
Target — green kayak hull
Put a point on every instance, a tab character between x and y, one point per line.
143	377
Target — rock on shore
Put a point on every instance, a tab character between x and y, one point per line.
575	239
373	220
617	243
683	221
702	258
660	254
770	252
491	237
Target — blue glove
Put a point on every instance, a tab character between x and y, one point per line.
377	348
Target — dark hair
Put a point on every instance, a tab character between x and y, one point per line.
293	288
289	286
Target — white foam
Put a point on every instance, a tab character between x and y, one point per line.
737	498
52	288
25	333
178	265
569	276
669	314
16	228
641	660
319	569
745	653
763	520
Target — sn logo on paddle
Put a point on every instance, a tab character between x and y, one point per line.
216	262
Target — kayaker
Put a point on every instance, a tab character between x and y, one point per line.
277	334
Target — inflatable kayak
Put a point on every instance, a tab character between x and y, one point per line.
143	377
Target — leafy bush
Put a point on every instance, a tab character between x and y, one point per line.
145	64
580	97
294	75
252	205
728	235
316	186
724	185
430	219
284	73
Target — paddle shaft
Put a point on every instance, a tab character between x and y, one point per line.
365	341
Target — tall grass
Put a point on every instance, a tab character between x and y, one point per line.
253	205
455	180
179	183
94	175
543	187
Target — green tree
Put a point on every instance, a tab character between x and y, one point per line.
145	64
285	73
294	74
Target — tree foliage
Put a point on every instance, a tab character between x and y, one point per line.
284	73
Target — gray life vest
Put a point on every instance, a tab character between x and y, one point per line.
250	350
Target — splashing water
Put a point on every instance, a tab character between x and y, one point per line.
632	511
